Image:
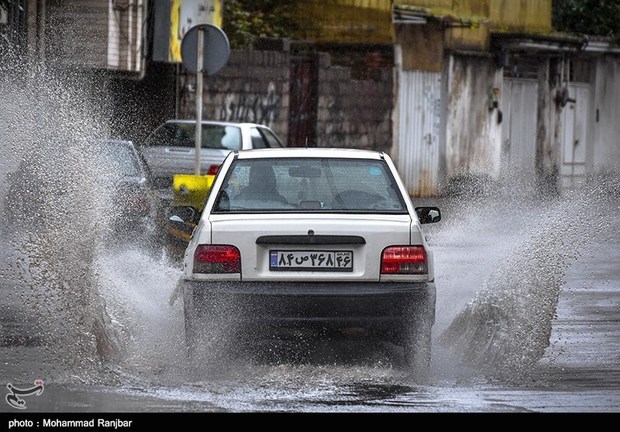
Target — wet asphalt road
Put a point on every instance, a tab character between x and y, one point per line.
578	372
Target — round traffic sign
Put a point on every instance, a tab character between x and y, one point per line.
216	48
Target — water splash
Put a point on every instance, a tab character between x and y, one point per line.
53	241
137	289
98	307
506	329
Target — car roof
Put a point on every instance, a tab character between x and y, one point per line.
215	122
114	141
98	142
311	152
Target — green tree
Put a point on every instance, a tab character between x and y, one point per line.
588	17
247	20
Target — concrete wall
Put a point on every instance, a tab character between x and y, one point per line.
353	113
467	23
502	15
342	21
254	86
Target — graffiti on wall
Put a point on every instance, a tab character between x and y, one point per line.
252	107
336	132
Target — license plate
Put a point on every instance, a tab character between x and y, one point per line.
311	260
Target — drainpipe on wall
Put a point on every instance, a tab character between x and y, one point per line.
143	6
140	50
37	42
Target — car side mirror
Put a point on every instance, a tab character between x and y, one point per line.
184	214
428	214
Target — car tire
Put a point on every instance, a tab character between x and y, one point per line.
191	333
193	310
417	347
207	334
417	339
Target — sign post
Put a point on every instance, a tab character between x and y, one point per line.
204	47
199	96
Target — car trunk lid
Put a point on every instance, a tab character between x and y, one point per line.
328	247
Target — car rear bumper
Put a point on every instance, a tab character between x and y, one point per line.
277	306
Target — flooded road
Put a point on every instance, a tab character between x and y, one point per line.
498	346
528	301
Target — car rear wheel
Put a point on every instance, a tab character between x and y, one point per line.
417	339
207	330
192	320
417	345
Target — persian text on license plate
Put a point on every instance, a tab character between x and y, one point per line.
311	260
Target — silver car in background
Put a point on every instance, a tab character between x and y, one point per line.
171	148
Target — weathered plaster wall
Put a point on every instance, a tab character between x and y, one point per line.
606	125
473	137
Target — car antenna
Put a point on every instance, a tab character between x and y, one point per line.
306	142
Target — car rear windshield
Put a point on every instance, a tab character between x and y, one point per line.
117	160
309	185
213	136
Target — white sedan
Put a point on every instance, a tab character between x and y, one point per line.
310	239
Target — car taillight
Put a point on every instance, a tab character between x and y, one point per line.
134	201
213	169
217	259
140	203
404	260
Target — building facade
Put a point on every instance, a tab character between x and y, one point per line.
455	91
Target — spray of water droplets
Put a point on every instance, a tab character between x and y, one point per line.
504	331
94	307
55	211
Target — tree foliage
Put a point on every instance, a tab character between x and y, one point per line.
588	17
247	20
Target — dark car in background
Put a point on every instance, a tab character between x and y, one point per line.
131	202
110	171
